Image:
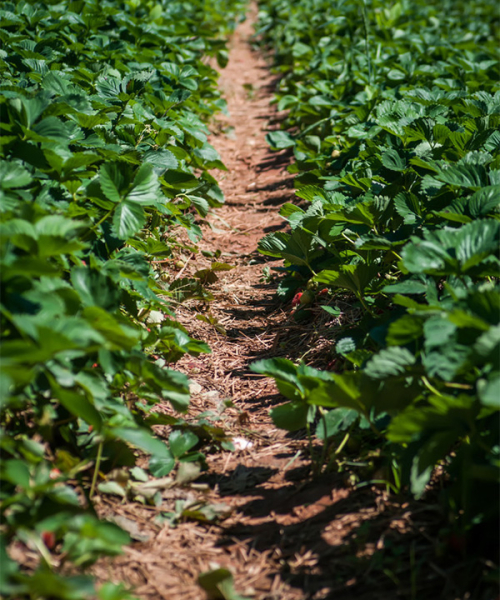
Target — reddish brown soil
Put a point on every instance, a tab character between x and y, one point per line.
288	537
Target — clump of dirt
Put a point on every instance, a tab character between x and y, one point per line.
287	537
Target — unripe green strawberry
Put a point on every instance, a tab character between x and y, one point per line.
307	297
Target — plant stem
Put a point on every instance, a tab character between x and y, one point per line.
458	386
325	439
96	470
364	304
309	437
343	443
94	227
310	268
429	386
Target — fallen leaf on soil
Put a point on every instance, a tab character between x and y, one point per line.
131	527
113	488
150	488
187	472
195	388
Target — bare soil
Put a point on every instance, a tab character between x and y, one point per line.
288	536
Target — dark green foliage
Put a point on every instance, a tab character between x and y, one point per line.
104	156
393	116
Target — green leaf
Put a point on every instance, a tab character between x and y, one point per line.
446	413
300	247
352	277
201	205
452	251
112	181
222	58
391	159
78	405
404	330
485	201
162	159
273	244
390	362
280	139
218	585
285	373
112	487
335	312
181	442
139	474
145	187
143	439
9	569
159	466
52	128
113	591
29	109
408	206
128	219
13	175
345	346
410	286
290	416
111	329
489	391
468	176
95	288
16	472
338	419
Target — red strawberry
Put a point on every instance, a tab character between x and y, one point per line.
49	539
54	473
296	299
323	292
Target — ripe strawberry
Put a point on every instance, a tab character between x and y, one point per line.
49	539
323	292
296	299
54	473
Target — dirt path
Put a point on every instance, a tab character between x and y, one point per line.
256	183
285	537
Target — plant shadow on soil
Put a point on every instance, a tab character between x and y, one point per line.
332	542
325	538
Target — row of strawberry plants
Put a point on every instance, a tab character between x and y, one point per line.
393	115
104	159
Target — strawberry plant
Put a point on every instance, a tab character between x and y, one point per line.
104	159
393	117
